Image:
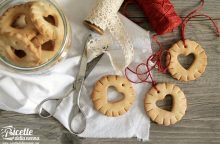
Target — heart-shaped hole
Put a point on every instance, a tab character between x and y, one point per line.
166	103
50	19
19	22
114	95
48	46
19	53
186	61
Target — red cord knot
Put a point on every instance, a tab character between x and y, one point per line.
143	71
154	85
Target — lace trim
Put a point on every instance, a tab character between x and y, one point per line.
105	16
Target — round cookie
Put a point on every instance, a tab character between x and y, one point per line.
18	50
8	21
100	100
198	66
159	115
46	19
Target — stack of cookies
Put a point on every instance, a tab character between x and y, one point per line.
30	34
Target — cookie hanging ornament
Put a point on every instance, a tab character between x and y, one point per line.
113	108
163	19
159	91
161	116
186	47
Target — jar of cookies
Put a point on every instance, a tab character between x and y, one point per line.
34	35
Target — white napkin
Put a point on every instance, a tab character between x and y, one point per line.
23	93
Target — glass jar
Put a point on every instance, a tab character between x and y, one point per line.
58	56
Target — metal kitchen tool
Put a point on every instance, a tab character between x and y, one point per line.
84	70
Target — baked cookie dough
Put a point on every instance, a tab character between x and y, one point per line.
18	50
46	19
31	34
196	69
100	98
9	19
159	115
48	47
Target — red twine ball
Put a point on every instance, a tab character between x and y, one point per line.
161	15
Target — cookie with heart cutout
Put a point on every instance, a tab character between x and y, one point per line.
18	50
49	47
46	18
100	97
161	116
16	20
195	70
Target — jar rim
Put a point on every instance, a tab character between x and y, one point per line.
56	56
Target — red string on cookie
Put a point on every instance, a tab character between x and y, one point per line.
146	75
160	14
156	58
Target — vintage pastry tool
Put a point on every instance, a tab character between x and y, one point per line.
84	70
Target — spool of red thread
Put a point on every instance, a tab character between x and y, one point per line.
161	15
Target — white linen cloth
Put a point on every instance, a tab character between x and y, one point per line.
23	93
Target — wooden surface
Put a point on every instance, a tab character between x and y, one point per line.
201	123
